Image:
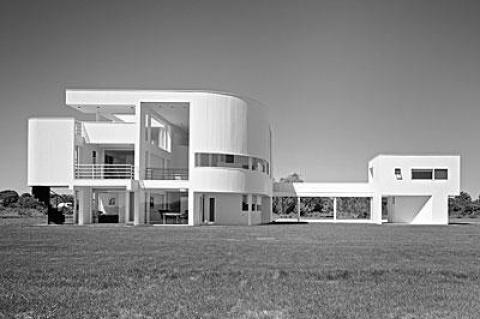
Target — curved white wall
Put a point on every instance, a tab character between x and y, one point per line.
228	125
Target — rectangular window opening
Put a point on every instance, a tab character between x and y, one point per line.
423	174
441	173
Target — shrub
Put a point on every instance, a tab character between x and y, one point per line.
8	197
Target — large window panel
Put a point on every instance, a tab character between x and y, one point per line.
421	173
284	207
353	207
316	208
230	161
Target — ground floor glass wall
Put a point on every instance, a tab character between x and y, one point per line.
321	208
284	207
353	207
166	207
109	206
316	208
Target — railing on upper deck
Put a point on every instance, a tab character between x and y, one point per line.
166	173
104	171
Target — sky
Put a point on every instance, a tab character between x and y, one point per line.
343	80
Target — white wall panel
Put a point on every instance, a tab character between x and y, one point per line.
50	152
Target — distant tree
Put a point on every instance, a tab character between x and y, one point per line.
292	178
464	196
462	205
27	201
8	197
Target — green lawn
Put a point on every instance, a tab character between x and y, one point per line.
274	271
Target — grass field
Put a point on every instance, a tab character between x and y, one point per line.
274	271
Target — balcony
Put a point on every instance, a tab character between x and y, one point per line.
104	171
166	173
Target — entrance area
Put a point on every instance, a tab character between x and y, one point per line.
207	209
406	209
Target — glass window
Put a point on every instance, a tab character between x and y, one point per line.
231	160
353	207
243	161
201	159
244	203
398	173
420	173
257	164
259	203
441	173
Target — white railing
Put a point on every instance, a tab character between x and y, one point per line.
104	171
166	173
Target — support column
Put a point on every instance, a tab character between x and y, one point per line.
127	207
121	203
75	205
334	209
147	207
249	212
191	208
376	208
139	207
84	205
140	111
298	208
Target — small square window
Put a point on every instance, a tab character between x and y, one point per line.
229	158
398	173
441	173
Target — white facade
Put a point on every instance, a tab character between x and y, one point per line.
168	157
197	157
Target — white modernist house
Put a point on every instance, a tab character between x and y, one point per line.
200	157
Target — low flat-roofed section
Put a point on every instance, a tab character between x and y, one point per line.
322	190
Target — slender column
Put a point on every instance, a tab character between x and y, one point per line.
147	207
139	207
376	209
249	212
140	112
192	210
127	207
334	208
75	211
298	208
84	207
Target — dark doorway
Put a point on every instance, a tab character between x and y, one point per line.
212	210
